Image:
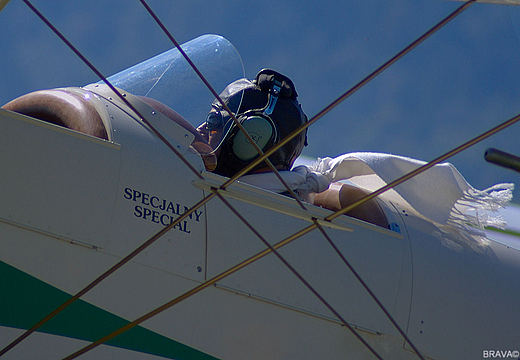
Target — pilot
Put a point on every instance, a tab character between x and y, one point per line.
268	109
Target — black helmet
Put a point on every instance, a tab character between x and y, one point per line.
268	109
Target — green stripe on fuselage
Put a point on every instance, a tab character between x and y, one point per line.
25	300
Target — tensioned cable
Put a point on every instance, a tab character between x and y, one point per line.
367	288
291	238
252	165
159	135
272	167
427	166
201	76
106	274
310	228
335	103
116	92
102	77
314	119
149	241
353	206
193	291
348	208
217	96
354	89
271	249
298	275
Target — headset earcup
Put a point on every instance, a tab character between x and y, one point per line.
261	131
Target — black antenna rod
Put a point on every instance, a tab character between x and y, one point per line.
503	159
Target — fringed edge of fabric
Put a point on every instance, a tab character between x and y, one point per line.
472	214
475	209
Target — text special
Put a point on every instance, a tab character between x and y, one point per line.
159	210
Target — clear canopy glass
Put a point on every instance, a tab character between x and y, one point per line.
169	78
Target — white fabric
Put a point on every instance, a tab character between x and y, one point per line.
440	194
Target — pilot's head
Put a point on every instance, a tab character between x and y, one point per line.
268	109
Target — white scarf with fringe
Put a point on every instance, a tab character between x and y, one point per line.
440	194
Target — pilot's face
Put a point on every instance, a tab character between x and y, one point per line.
213	128
215	134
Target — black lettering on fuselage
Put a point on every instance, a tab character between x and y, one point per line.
159	210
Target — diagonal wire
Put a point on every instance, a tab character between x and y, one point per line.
374	194
154	237
270	249
374	74
284	183
102	77
193	291
106	274
144	245
217	96
427	166
296	235
313	120
293	237
297	274
367	288
355	88
262	157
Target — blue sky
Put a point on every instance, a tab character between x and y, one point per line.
461	82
